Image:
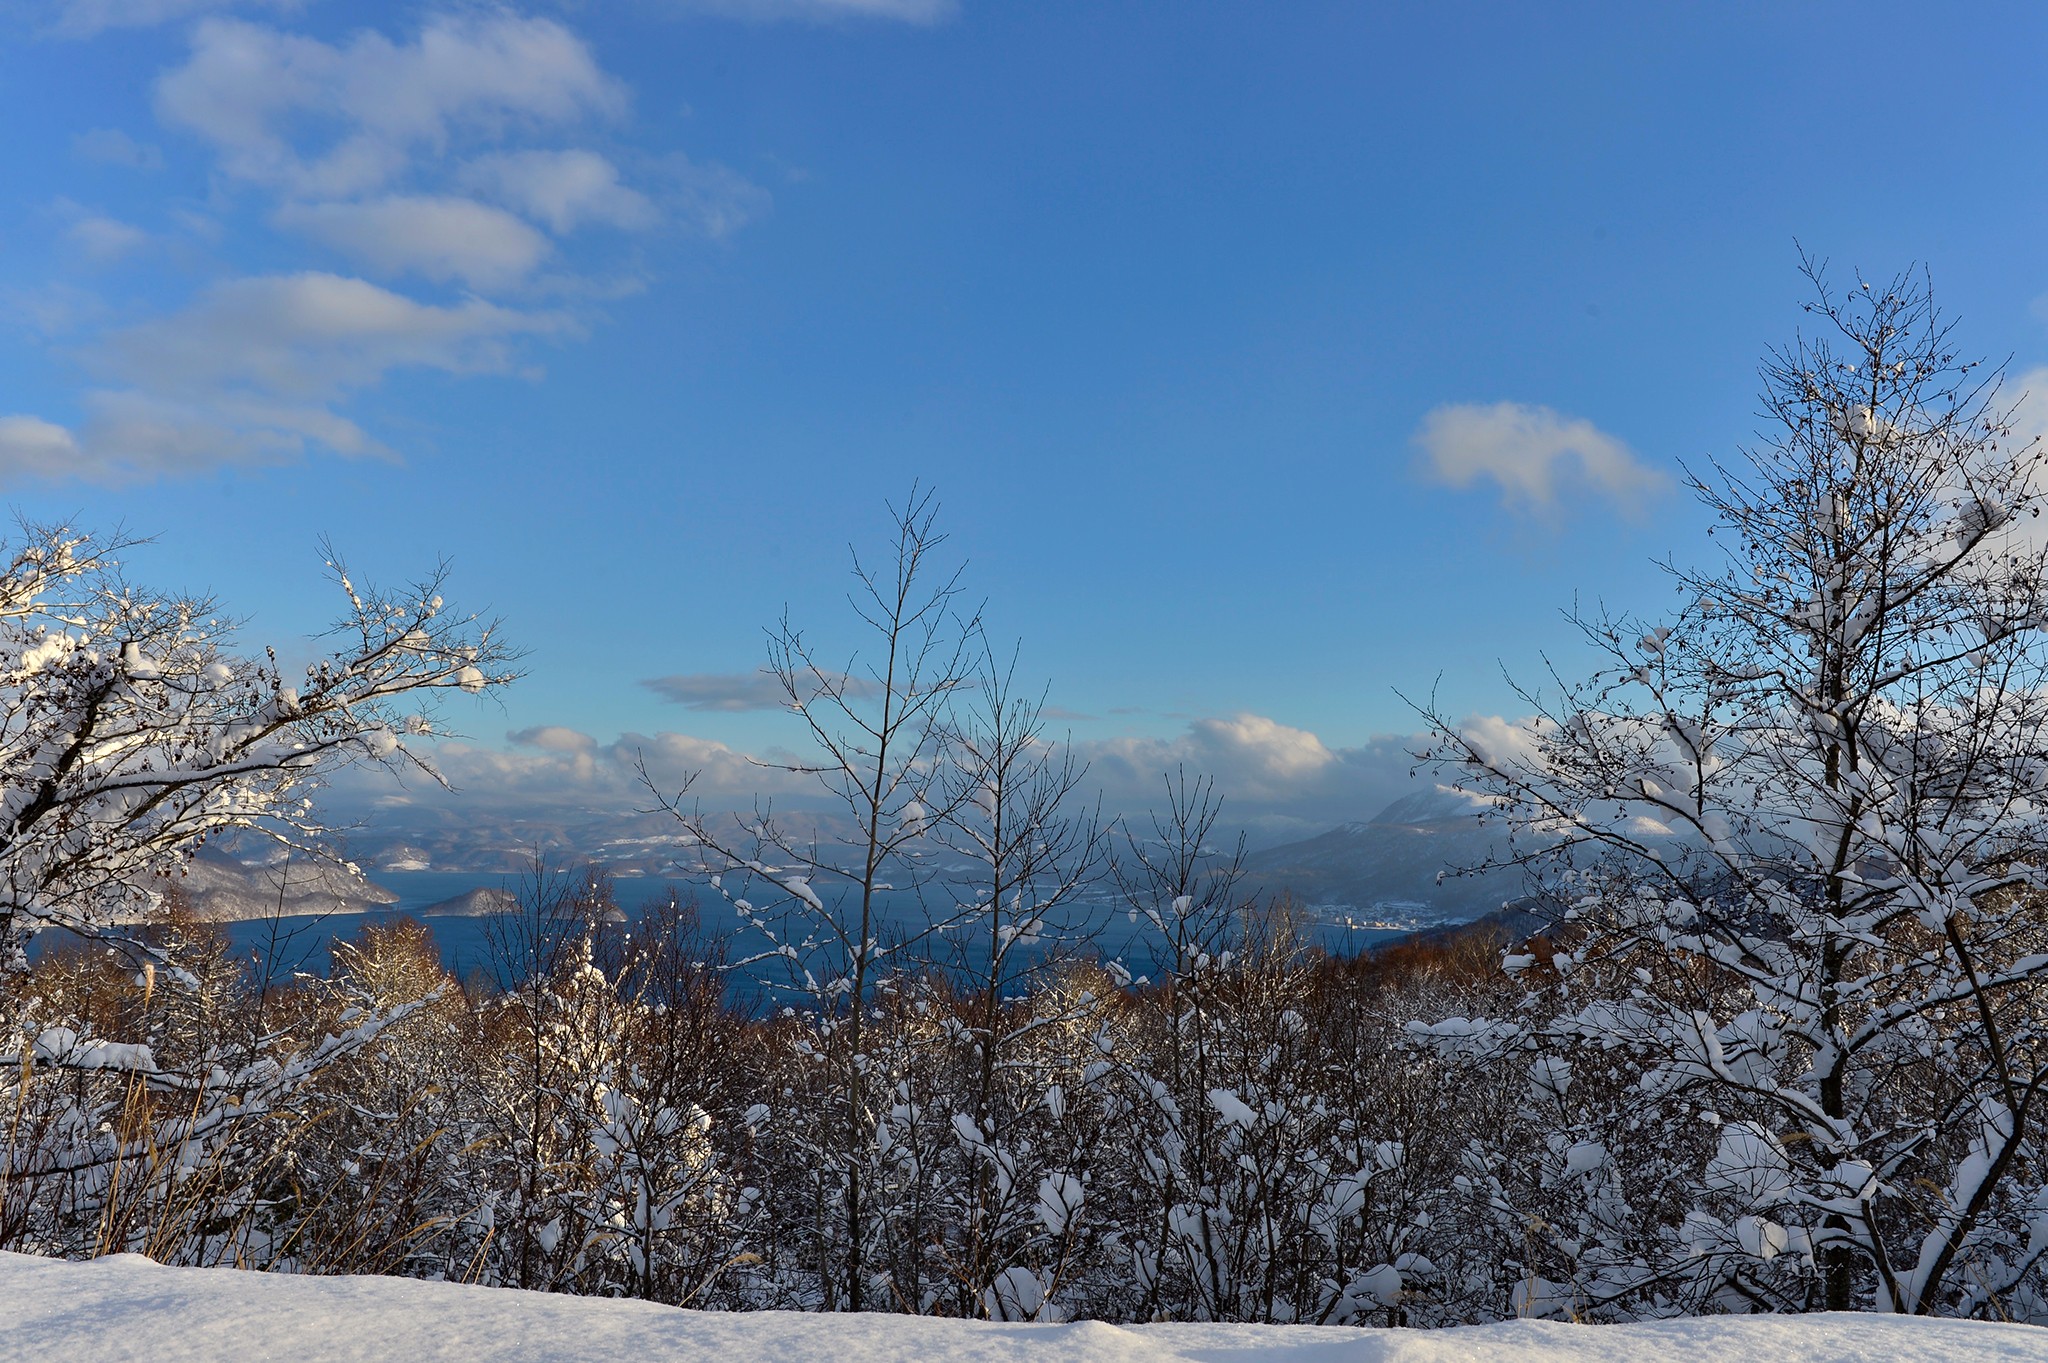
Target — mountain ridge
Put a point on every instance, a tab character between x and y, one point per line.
1407	862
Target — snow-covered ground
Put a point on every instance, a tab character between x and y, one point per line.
126	1308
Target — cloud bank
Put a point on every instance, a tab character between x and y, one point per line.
1278	783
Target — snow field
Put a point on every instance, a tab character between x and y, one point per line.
125	1309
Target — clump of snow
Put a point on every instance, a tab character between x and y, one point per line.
61	1045
1060	1196
1232	1108
125	1307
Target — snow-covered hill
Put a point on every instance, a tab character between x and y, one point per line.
223	889
126	1308
1394	866
480	902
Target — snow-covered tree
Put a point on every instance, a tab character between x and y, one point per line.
131	728
1799	828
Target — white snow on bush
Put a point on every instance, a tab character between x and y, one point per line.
61	1046
127	1308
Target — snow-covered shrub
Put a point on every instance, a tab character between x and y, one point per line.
181	1141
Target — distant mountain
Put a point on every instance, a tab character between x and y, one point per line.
1383	870
1437	805
1397	866
224	890
480	842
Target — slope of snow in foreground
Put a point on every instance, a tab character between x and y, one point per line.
127	1308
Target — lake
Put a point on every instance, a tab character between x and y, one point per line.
290	945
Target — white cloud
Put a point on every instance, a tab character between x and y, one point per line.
35	446
2027	398
553	738
112	147
313	335
1505	743
130	435
253	369
1278	782
105	240
552	767
252	91
1252	757
2029	394
564	189
407	155
1537	457
437	237
248	373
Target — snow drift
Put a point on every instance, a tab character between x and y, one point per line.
127	1308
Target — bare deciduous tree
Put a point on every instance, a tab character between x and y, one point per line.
1027	856
835	912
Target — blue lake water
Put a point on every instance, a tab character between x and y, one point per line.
291	945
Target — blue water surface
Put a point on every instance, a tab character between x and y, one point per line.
282	947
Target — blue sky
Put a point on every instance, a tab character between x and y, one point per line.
1198	317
